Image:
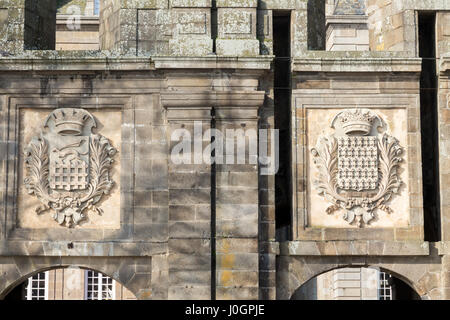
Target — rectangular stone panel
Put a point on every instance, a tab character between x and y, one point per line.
236	22
31	123
192	22
358	174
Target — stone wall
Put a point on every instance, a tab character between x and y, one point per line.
70	284
84	35
444	145
443	33
198	231
391	27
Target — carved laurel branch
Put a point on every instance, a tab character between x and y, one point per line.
37	162
325	159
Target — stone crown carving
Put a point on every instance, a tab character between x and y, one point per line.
68	167
356	121
357	168
70	121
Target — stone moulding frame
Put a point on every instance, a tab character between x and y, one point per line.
119	103
303	101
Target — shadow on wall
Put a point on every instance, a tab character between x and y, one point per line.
316	25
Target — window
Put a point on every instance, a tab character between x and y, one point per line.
384	286
98	286
96	7
37	287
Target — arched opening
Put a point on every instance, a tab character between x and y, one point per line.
356	284
71	283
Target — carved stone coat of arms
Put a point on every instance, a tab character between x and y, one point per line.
357	166
68	167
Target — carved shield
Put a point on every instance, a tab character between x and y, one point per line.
354	161
357	163
69	163
68	166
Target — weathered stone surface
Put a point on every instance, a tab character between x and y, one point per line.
147	68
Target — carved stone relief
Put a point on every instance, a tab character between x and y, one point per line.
68	167
357	166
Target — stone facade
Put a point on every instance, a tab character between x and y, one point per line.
205	230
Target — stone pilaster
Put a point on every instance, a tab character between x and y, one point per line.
443	33
347	33
151	195
189	260
237	202
444	145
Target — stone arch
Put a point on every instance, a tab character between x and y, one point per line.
399	276
123	270
295	272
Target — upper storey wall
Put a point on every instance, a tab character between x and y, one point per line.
222	28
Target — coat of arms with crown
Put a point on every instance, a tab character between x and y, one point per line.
357	168
68	166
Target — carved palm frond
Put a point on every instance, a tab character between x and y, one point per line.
390	152
325	159
37	164
101	152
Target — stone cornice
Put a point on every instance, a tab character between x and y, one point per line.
213	62
75	64
96	61
355	248
380	65
235	105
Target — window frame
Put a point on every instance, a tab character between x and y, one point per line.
384	287
100	276
29	287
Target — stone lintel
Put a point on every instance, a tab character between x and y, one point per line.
61	19
213	62
283	4
355	248
190	3
81	249
237	99
189	114
237	3
347	19
379	65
